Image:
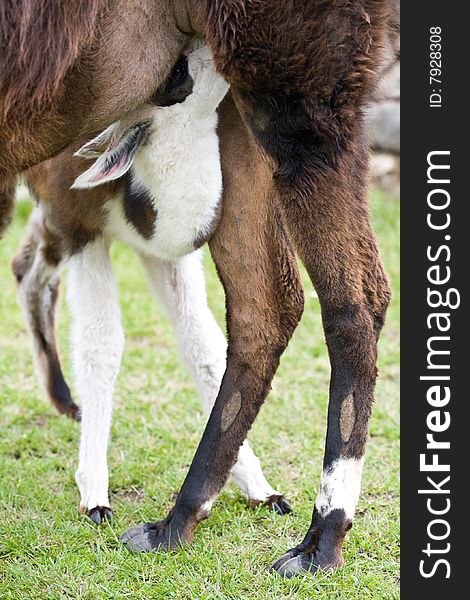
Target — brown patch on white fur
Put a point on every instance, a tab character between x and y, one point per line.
77	216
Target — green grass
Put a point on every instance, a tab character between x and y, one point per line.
48	551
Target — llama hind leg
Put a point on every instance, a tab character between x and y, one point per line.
180	287
97	342
35	267
334	239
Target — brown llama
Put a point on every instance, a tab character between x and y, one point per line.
301	73
301	89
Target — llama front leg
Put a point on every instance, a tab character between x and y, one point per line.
97	344
180	286
264	303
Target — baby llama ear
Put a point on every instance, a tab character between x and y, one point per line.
92	148
115	161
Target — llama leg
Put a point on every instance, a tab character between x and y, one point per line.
308	119
97	343
332	234
35	267
264	303
180	287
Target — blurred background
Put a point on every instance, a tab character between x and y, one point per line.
384	123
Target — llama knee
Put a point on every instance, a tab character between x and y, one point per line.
23	261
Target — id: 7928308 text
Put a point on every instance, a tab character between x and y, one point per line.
435	67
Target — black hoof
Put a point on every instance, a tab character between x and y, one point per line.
69	409
75	413
100	514
279	505
297	562
150	537
292	564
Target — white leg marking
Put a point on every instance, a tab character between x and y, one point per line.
340	487
97	344
180	286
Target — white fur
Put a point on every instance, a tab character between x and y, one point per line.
180	287
97	342
180	166
340	487
248	475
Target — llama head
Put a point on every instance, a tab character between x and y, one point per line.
194	85
177	88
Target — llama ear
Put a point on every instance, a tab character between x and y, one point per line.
94	148
115	161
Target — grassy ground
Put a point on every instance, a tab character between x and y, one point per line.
48	551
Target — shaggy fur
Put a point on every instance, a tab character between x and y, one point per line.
7	200
31	78
300	86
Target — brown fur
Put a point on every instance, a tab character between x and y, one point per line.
40	41
301	73
139	209
7	203
300	86
71	70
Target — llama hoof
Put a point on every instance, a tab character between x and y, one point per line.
279	504
296	562
150	537
74	412
68	408
100	514
292	564
276	503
